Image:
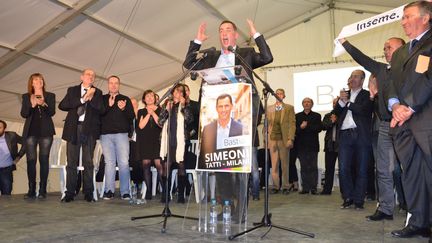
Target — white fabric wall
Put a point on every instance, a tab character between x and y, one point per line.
307	43
311	44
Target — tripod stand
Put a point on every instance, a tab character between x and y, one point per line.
166	213
266	220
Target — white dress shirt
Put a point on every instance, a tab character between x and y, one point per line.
348	122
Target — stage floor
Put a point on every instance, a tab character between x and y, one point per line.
109	221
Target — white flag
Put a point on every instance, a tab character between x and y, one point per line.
367	24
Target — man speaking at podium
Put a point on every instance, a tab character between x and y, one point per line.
228	36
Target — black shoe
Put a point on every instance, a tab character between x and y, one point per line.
325	193
255	198
163	199
67	198
303	192
285	191
274	191
148	197
108	195
410	231
358	206
378	216
347	203
42	190
314	192
291	187
89	197
30	195
126	196
181	200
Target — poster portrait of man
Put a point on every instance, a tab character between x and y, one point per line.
225	121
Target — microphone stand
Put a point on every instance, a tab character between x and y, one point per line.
266	220
166	213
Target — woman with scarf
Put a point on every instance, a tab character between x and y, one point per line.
174	118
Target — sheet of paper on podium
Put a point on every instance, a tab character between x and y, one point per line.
224	75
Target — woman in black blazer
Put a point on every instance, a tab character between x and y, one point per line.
38	107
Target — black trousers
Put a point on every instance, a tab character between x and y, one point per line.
293	176
87	144
6	180
415	154
44	151
330	162
309	169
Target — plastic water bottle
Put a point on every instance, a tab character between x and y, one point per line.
139	199
213	216
133	199
226	213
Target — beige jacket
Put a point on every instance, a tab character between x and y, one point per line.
288	124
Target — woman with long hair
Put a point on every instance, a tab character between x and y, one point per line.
148	138
174	144
38	108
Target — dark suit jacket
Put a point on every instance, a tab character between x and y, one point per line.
251	57
209	136
192	128
361	109
382	73
91	124
47	125
12	141
307	139
414	89
254	59
329	144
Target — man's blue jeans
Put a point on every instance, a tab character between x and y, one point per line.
115	148
255	174
6	180
352	150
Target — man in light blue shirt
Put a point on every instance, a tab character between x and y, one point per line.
9	156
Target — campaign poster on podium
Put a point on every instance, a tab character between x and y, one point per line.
225	140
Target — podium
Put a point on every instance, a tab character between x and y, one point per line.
225	148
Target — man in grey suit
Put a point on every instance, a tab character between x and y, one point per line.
410	101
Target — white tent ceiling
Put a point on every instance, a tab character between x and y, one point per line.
142	41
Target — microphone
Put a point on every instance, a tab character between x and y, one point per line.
208	50
231	49
193	76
